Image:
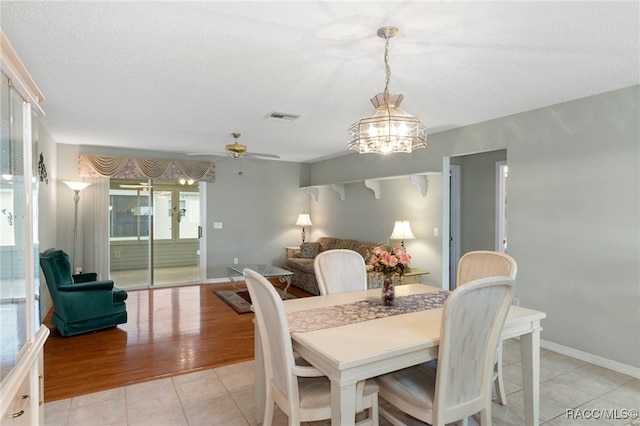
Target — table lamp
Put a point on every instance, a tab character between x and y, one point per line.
303	220
402	231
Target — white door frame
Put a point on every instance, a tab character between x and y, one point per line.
501	207
202	261
454	224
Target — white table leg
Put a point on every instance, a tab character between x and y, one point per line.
530	357
260	382
343	404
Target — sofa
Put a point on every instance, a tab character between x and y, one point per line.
300	262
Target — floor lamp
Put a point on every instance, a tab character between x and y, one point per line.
76	187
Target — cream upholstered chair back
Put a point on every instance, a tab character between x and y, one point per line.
340	271
483	264
301	391
472	322
276	342
460	386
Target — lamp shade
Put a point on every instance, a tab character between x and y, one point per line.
402	231
303	220
76	186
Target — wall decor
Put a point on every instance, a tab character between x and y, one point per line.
42	170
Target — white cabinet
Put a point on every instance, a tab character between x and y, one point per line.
22	336
23	388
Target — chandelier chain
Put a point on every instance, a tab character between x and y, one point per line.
387	69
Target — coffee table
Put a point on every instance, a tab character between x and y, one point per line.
267	271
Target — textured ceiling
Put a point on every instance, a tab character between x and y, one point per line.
182	76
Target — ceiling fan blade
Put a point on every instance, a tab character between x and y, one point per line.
207	153
236	150
257	154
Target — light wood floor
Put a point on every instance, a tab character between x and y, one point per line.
170	331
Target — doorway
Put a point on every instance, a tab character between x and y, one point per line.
154	229
477	205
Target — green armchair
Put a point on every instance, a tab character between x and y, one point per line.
80	302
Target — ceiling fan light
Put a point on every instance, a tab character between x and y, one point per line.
236	147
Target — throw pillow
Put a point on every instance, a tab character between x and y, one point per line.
308	250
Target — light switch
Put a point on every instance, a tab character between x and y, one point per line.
217	225
435	232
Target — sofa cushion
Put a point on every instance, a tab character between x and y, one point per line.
330	243
302	268
302	265
308	250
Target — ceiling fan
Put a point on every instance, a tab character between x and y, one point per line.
236	150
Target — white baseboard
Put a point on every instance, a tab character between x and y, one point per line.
592	359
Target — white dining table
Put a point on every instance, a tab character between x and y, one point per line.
362	350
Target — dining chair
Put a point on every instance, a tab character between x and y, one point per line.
340	271
460	385
302	392
483	264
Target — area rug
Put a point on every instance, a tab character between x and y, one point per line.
240	300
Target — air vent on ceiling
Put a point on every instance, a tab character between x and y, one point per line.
275	115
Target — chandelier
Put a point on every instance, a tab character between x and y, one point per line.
388	129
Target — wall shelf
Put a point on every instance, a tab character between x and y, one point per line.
421	180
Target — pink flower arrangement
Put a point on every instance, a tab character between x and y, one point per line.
390	261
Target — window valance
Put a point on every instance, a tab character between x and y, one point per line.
144	168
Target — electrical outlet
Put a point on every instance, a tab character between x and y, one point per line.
516	302
235	260
435	232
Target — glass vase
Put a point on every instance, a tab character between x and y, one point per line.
388	289
374	280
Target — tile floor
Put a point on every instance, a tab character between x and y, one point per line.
225	396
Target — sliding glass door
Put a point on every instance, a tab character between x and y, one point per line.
129	230
154	232
175	245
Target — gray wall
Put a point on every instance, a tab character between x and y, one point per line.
258	211
574	220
